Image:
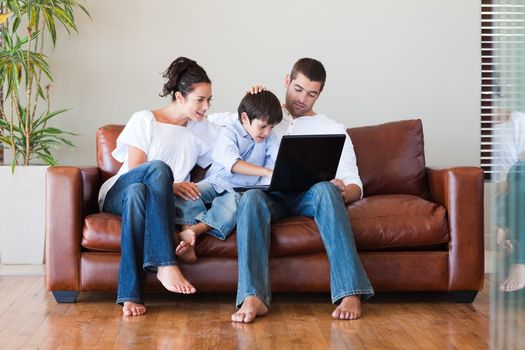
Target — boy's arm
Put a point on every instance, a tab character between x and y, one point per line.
227	154
245	168
272	146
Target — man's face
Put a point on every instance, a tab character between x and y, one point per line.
301	94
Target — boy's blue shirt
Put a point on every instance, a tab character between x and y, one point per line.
233	144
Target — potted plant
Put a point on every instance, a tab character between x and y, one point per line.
25	112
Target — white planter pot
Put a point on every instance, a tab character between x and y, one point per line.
22	214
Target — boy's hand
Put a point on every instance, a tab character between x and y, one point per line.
255	89
269	172
186	190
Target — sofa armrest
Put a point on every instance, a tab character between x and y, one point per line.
70	192
460	191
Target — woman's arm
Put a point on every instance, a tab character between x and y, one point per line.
136	157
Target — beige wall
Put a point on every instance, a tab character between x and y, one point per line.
386	60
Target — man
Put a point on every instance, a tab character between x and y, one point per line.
325	202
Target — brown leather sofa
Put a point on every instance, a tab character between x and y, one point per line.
416	229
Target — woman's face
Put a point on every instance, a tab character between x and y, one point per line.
197	102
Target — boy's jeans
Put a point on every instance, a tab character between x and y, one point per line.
324	203
222	216
144	198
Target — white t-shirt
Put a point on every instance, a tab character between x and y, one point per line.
309	125
509	138
178	146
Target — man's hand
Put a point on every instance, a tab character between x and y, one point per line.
350	193
186	190
340	186
255	89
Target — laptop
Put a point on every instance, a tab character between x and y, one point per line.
302	161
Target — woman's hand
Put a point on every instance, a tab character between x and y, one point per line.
255	89
186	190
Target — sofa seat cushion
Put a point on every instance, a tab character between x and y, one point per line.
290	236
398	221
379	223
102	232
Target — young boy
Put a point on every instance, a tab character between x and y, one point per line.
244	154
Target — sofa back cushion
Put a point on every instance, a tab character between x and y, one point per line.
391	158
106	143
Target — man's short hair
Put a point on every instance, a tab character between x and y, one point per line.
263	105
310	68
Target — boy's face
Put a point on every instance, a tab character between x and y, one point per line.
258	130
301	94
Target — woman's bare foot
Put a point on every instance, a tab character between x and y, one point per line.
515	280
349	309
133	309
251	308
186	252
173	280
187	235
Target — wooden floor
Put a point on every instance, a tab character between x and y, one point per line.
30	319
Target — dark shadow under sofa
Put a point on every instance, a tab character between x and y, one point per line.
417	228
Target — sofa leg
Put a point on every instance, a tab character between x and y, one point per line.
65	296
464	296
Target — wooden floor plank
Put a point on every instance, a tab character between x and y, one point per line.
30	319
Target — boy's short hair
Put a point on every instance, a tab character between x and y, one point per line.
263	105
310	68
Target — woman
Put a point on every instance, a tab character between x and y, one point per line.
158	149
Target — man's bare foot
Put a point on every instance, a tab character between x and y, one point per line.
515	280
188	235
173	280
502	240
186	252
349	309
251	308
133	309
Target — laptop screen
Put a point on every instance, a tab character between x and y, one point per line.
304	160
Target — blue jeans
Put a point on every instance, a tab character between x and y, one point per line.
222	216
144	198
324	203
515	209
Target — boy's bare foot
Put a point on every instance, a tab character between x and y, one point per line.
173	280
186	252
133	309
515	280
251	308
188	235
349	309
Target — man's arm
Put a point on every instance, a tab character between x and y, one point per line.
350	192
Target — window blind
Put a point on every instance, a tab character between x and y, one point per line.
502	79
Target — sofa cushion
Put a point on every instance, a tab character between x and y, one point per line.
379	223
391	158
101	232
290	236
398	221
106	142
